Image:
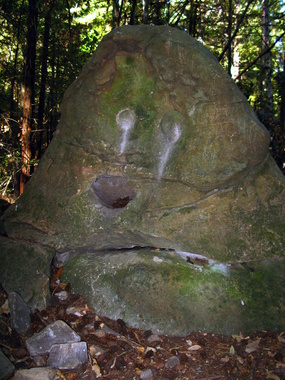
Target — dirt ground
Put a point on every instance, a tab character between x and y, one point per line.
117	351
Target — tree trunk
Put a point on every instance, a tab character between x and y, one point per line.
133	12
29	96
52	103
15	71
115	14
145	11
229	52
43	81
157	7
282	102
266	91
193	18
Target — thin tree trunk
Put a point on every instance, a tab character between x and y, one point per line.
29	84
53	95
145	11
266	67
69	19
43	81
282	102
51	98
157	7
115	13
229	52
13	81
193	18
133	12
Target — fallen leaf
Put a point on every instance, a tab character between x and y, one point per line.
96	368
57	275
225	359
271	375
148	349
240	359
252	346
281	337
271	354
194	348
141	349
137	337
238	338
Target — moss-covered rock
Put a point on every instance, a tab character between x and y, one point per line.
25	269
163	292
153	107
156	146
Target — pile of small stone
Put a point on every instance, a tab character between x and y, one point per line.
58	340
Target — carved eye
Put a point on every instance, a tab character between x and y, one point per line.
171	126
126	120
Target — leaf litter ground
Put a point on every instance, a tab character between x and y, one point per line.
117	351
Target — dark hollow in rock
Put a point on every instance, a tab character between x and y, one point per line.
113	191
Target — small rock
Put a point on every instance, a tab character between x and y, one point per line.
96	350
6	367
4	309
68	356
104	330
56	333
36	374
20	313
196	347
100	333
154	339
62	296
172	362
77	311
146	375
108	330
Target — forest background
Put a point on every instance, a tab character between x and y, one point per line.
45	43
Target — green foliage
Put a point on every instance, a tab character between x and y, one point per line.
10	159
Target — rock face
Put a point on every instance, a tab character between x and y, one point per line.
25	269
164	292
156	147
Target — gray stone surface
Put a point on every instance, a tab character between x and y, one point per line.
20	313
25	269
55	333
147	375
172	362
36	374
68	356
62	296
6	367
166	293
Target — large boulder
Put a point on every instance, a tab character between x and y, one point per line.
156	147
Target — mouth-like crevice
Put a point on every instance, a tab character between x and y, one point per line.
61	258
113	191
